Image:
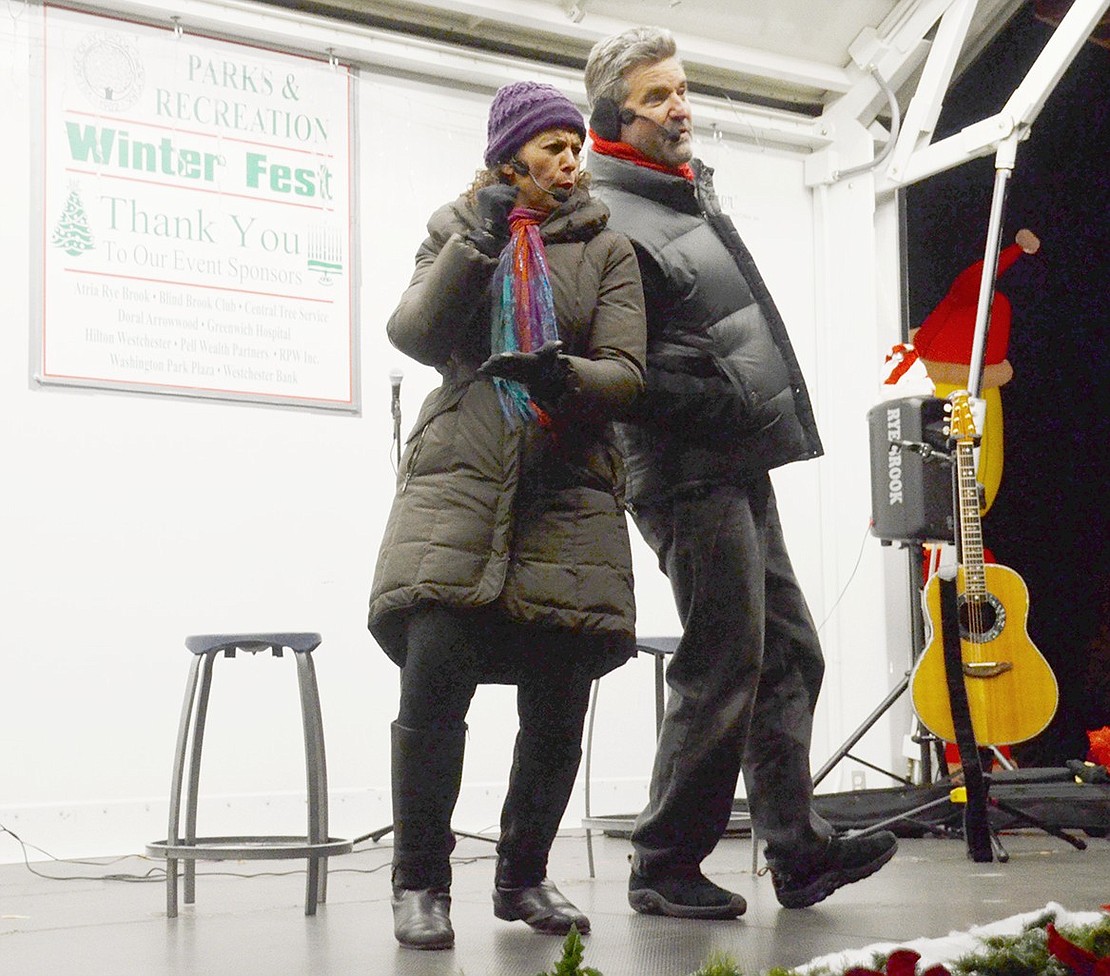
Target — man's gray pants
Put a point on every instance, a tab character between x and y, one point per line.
743	683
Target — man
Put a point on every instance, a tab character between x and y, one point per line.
725	402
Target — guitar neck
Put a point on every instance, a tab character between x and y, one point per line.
971	531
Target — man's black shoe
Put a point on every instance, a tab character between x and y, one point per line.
685	894
846	859
541	906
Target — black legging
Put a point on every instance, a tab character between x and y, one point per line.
446	658
449	652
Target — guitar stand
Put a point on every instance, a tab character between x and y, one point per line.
958	795
983	844
845	750
1030	820
982	838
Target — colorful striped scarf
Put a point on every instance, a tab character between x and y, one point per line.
523	315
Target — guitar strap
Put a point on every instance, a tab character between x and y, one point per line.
976	823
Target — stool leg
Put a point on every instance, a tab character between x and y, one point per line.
316	779
193	789
172	831
660	694
586	774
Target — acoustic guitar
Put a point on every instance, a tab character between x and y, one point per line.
1011	690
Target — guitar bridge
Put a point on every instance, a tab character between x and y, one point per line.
986	669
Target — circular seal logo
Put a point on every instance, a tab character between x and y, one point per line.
110	71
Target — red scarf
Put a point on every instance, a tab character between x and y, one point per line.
630	154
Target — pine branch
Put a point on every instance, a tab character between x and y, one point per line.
573	950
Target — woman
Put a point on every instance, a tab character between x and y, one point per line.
506	555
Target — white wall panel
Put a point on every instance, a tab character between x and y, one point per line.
132	520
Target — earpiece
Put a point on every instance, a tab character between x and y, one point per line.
608	117
521	169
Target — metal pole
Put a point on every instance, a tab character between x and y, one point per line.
1004	166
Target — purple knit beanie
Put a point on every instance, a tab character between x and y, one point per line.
525	109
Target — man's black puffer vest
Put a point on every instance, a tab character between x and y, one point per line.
725	397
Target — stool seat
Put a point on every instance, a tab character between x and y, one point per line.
271	847
316	845
253	643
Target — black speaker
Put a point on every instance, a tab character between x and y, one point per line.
911	486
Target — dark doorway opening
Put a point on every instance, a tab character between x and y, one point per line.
1049	520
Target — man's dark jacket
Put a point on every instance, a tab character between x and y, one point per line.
725	398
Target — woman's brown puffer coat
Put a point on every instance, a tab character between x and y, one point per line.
496	513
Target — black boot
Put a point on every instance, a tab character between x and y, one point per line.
427	774
541	906
540	785
422	918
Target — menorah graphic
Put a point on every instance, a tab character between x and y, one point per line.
325	253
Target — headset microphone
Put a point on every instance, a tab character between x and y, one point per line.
521	169
627	117
608	118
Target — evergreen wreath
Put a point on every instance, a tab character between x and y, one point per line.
1040	949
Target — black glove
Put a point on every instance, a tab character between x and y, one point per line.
493	205
544	372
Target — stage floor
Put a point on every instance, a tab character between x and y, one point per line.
255	926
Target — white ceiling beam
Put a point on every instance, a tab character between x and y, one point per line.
1025	104
894	56
547	17
924	108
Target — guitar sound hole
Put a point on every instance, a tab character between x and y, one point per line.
981	620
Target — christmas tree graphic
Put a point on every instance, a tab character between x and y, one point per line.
72	233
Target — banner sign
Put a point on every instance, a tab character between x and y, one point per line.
196	216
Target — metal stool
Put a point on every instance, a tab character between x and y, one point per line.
316	845
658	648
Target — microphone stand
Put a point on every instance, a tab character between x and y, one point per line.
397	431
395	410
395	377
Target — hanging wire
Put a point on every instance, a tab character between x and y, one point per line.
852	576
740	118
895	128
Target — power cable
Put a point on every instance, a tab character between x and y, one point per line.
158	874
844	589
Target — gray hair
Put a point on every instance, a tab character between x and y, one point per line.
613	57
